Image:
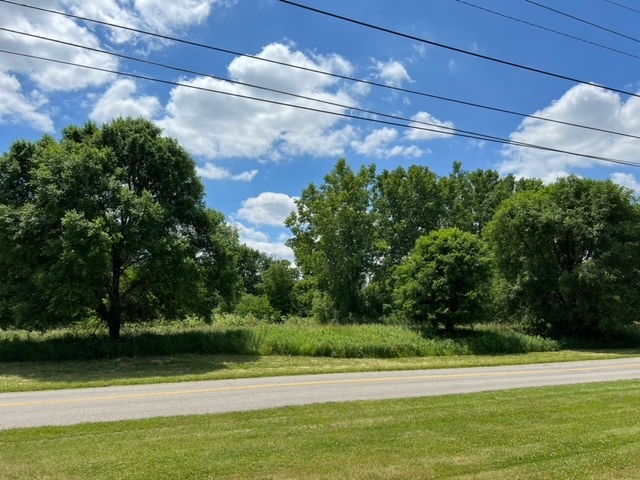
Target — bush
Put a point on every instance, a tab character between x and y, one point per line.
257	306
444	281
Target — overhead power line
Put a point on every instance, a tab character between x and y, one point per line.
251	85
458	50
623	6
281	92
582	20
551	30
321	72
457	133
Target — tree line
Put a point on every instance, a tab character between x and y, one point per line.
110	223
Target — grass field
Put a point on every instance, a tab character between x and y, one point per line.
26	376
569	432
234	336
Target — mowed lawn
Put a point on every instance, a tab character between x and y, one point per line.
569	432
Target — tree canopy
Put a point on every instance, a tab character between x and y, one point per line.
109	222
569	256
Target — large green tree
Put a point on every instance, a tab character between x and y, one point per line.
444	281
108	222
569	256
334	237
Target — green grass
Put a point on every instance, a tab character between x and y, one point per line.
28	376
569	432
295	338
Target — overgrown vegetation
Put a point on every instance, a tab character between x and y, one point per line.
109	223
249	336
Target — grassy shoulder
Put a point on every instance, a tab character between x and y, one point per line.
580	431
31	376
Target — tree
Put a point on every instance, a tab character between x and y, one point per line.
444	281
407	205
278	284
108	222
333	235
251	265
569	255
472	198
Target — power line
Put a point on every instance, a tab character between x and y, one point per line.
322	72
337	114
456	49
250	85
623	6
274	90
531	24
582	20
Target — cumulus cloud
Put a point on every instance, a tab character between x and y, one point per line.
262	241
214	125
160	17
16	107
376	144
213	172
268	208
120	101
627	180
434	131
46	75
392	73
585	105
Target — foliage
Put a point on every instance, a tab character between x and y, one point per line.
232	334
569	257
257	306
108	222
278	285
444	280
334	235
407	204
251	266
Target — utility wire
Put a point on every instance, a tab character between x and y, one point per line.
456	49
337	114
623	6
250	85
274	90
581	20
321	72
531	24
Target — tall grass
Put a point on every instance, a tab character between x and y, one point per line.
248	336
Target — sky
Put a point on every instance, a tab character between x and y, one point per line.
255	158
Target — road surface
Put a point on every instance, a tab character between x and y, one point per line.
67	407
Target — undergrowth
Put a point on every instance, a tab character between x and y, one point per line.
231	334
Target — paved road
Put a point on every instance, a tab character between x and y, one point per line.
66	407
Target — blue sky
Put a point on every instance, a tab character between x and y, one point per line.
255	158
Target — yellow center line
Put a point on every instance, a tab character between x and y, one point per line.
315	383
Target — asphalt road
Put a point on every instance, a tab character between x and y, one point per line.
67	407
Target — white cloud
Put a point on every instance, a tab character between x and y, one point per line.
268	208
261	241
214	125
585	105
627	180
15	107
213	172
119	100
46	75
392	73
161	17
376	144
434	123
